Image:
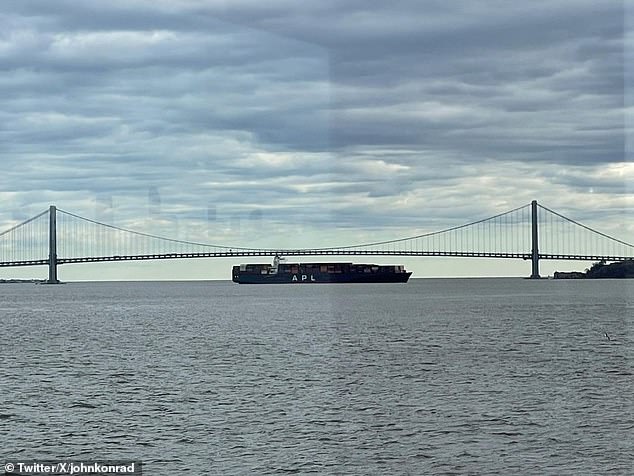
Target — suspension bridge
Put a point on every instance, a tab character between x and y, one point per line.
531	232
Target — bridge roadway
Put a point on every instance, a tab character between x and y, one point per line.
316	252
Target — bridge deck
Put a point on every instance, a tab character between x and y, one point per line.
271	253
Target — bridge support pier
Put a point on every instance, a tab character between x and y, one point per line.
52	246
535	242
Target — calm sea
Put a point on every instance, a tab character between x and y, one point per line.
453	376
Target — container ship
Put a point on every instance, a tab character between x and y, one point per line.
303	273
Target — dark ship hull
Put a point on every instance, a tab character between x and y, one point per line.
312	273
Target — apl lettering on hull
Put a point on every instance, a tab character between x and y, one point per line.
304	278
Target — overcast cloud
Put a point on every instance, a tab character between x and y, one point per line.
325	121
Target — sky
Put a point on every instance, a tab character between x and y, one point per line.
315	123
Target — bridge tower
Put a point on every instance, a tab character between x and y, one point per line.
534	241
52	245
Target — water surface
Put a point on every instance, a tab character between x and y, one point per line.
447	376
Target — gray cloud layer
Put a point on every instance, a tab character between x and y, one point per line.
363	115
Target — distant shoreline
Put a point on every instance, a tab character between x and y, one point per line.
601	270
13	281
557	275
